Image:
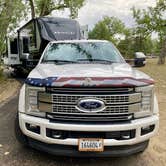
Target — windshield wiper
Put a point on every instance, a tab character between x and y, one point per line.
58	61
97	60
80	60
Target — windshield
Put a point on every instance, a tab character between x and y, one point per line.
83	52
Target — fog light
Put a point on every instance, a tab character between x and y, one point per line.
33	128
125	134
56	134
128	134
147	129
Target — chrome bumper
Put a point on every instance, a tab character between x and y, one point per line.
44	123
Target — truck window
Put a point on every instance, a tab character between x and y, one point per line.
13	46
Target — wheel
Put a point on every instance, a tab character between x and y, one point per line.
18	133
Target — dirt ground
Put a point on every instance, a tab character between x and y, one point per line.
13	154
8	88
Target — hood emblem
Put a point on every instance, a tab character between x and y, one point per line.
90	105
88	82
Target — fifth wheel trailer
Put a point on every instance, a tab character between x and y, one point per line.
25	48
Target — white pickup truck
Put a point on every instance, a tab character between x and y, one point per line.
83	99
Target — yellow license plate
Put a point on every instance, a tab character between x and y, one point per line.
91	145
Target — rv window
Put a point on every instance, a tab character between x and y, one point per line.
25	45
13	46
30	29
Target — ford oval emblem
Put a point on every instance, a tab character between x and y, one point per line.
90	105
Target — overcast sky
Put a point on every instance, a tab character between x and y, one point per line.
94	10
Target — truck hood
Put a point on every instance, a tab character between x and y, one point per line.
116	74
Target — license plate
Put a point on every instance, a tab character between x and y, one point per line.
91	145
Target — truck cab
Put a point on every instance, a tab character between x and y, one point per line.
83	99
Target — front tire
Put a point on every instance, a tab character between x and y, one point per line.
21	138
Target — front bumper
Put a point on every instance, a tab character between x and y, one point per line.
72	151
46	124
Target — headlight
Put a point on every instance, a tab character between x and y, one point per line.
32	100
147	101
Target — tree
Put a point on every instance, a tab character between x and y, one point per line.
135	42
152	20
11	12
45	7
127	46
108	29
32	7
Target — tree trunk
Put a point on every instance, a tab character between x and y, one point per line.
162	54
161	60
32	8
45	8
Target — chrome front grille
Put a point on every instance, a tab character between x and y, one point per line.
72	109
108	99
63	106
70	99
116	109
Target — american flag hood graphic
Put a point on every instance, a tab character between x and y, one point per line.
73	75
83	82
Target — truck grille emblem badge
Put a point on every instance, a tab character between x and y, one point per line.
90	105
